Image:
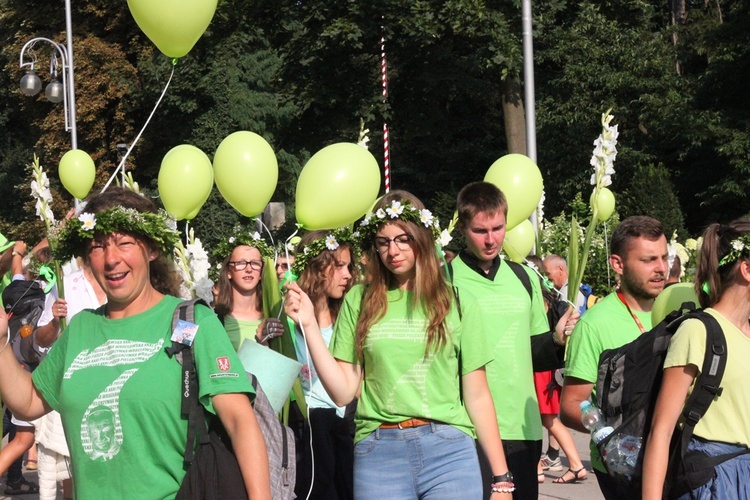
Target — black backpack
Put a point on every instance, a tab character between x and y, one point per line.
24	305
627	387
212	469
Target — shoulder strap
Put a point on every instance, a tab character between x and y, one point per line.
707	383
522	275
191	407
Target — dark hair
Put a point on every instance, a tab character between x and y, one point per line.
717	243
631	228
479	197
162	272
320	268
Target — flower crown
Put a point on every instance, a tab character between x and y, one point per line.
67	239
331	241
740	248
402	210
240	236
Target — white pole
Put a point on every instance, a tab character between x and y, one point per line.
528	85
71	83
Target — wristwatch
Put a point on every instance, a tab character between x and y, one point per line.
503	478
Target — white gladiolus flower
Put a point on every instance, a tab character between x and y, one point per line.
445	238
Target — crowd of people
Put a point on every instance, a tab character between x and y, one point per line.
424	375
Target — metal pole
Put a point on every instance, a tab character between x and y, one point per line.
71	82
528	84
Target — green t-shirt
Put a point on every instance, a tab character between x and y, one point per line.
510	317
119	396
607	325
400	381
239	329
728	418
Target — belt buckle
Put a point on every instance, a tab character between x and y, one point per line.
399	426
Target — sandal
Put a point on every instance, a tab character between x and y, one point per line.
540	477
31	464
576	476
22	487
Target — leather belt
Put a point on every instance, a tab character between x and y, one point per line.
406	424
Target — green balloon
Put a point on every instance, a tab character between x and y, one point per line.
173	25
337	186
521	182
605	202
671	299
519	241
77	172
185	181
246	172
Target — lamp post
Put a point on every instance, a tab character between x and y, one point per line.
61	58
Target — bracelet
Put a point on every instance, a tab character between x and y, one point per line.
503	487
503	478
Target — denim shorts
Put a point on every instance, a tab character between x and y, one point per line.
732	479
435	461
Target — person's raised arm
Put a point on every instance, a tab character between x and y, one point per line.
17	390
481	410
237	415
340	379
19	250
574	391
674	387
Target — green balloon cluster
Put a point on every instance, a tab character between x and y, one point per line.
77	172
337	186
520	180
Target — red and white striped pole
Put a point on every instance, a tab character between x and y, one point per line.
386	144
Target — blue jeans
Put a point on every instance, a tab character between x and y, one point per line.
435	461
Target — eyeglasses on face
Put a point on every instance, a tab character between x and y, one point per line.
402	241
240	265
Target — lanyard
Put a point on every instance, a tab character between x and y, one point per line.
637	321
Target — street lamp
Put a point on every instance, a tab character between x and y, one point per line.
56	90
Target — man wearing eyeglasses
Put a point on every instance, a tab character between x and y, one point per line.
509	298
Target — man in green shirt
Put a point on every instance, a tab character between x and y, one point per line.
639	258
511	309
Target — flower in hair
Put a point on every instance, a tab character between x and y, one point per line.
331	241
402	210
88	221
739	247
395	209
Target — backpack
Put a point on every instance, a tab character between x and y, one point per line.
213	471
628	383
24	304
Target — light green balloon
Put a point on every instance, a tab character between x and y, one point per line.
521	182
185	181
173	25
605	202
246	172
77	172
519	241
671	299
336	186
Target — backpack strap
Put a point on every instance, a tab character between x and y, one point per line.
191	407
522	275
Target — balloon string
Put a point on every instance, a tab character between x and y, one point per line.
270	236
127	153
187	233
288	275
606	250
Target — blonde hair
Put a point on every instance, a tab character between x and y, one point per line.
431	292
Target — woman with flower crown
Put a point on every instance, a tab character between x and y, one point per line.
419	365
247	298
722	282
109	376
326	265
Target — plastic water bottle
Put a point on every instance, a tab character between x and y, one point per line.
592	419
621	454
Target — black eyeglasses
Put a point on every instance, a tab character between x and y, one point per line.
402	241
240	265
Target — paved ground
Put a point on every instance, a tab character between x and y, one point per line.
583	490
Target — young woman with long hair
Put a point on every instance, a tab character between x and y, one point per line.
420	366
722	281
245	271
326	265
